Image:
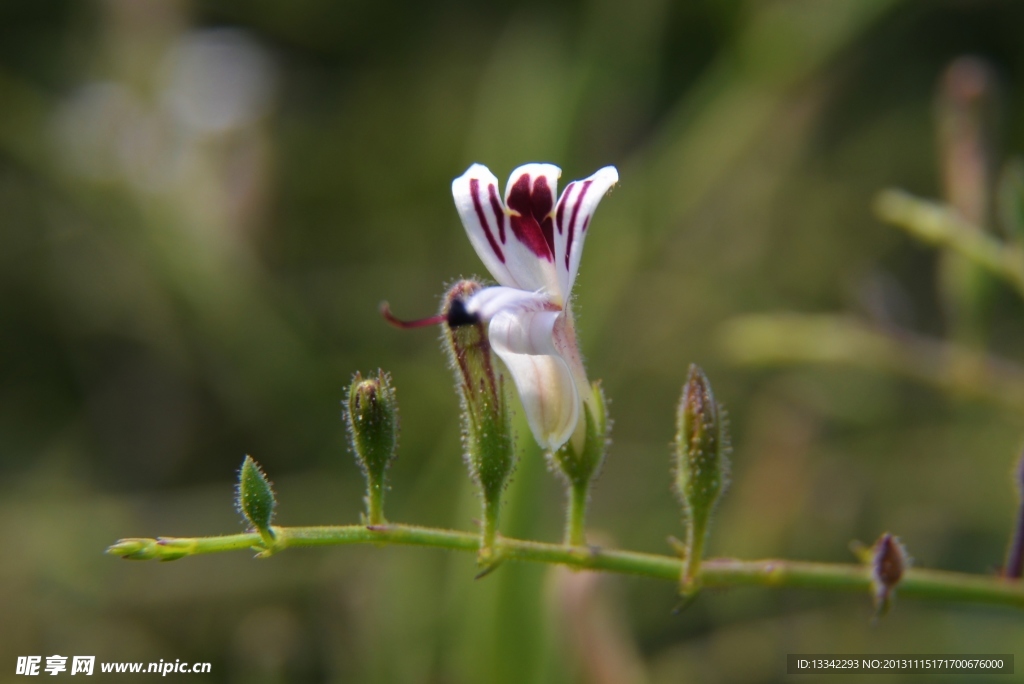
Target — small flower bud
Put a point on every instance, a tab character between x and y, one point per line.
372	416
889	560
161	548
256	498
702	466
134	549
486	420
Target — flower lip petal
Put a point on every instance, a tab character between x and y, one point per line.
544	382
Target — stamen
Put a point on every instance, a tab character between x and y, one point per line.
385	311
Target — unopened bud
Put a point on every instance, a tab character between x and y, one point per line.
889	560
256	497
486	420
134	549
702	466
372	416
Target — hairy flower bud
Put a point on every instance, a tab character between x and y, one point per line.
256	497
486	420
889	560
372	417
702	465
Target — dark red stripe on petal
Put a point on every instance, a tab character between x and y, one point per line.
499	211
474	189
578	202
572	221
543	201
532	226
561	207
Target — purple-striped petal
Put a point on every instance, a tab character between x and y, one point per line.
530	198
575	208
486	221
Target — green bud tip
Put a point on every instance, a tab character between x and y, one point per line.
162	548
701	463
134	549
702	446
372	417
889	560
579	461
256	497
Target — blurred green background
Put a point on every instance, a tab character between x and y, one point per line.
203	203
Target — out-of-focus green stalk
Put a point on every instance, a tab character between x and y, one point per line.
722	573
937	225
776	339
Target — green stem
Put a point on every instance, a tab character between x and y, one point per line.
721	572
489	531
375	501
575	533
689	581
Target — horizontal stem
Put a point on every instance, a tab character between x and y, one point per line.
720	572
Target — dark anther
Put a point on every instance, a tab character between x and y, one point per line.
457	315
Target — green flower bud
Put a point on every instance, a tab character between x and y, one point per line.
486	419
579	465
372	416
889	560
134	549
256	498
702	466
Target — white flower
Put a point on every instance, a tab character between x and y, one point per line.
532	244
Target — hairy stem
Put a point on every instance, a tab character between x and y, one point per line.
721	572
489	531
576	516
374	501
